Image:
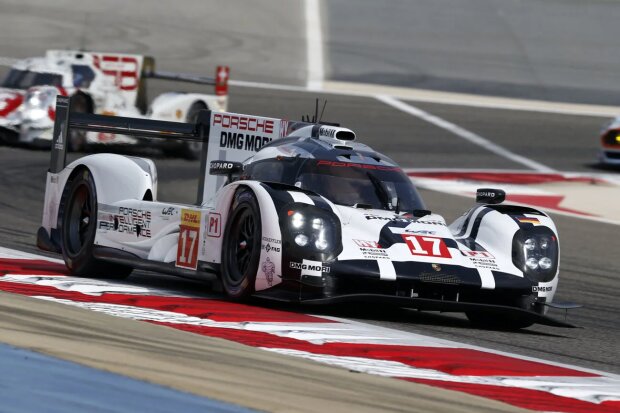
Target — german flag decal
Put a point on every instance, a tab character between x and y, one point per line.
528	220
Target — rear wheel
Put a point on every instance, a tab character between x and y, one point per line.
241	247
79	223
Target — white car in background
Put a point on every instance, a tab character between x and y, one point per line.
103	83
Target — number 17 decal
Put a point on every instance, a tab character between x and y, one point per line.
427	246
189	231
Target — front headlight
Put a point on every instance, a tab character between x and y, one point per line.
311	232
535	251
37	102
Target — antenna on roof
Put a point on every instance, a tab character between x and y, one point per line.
322	111
315	118
316	110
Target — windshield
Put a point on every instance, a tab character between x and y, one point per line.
23	79
344	183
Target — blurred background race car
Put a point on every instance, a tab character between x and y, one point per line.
105	83
610	143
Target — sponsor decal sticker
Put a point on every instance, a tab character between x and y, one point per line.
127	221
309	267
382	218
243	122
269	269
366	244
327	132
246	142
214	225
420	231
59	142
537	289
528	220
371	249
169	211
187	249
272	240
269	248
431	222
426	246
482	259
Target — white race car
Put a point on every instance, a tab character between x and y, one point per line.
102	83
295	211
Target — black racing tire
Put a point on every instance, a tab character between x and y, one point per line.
191	150
77	138
241	246
79	222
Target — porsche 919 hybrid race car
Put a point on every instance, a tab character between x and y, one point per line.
295	211
103	83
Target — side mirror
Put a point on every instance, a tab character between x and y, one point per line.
490	196
225	168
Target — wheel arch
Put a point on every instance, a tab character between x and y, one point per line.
270	227
495	226
118	177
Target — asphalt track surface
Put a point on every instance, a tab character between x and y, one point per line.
562	50
590	269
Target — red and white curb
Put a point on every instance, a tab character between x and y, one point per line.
579	195
516	380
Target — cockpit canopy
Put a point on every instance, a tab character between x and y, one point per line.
23	79
345	176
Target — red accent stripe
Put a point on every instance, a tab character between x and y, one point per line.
31	267
504	177
454	361
526	398
215	310
12	104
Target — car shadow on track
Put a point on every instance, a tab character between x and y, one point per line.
386	315
391	316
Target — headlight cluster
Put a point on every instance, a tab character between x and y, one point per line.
312	233
37	103
535	252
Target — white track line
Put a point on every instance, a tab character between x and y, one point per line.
463	133
314	45
7	61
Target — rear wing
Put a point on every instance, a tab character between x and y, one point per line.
225	136
220	81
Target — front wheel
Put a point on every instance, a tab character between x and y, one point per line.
241	246
79	223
